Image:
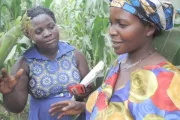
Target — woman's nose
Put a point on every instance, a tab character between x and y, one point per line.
112	30
47	33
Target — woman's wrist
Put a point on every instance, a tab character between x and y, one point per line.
82	105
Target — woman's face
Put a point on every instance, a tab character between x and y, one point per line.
45	32
127	32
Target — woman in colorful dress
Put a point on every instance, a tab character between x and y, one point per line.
45	71
141	84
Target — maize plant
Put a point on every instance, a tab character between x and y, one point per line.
168	43
10	38
12	41
8	41
84	23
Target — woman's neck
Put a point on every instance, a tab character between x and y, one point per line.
49	53
140	54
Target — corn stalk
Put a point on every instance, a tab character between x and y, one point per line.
12	42
84	23
8	41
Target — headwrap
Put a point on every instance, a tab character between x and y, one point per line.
159	12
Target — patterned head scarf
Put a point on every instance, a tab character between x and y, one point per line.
159	12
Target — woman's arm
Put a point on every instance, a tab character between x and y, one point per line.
84	70
16	100
82	64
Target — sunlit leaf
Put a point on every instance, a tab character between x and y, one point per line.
47	3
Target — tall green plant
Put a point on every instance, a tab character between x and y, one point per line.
12	42
168	43
10	33
84	23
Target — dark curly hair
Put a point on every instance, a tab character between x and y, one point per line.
35	11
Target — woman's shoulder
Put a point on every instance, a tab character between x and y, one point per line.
163	70
30	52
163	67
162	73
65	45
159	82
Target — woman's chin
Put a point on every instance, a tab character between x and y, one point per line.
118	52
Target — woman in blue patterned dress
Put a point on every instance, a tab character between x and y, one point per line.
141	84
47	69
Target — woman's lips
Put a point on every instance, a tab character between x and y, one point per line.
116	44
49	41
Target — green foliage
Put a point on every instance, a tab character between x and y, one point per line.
168	43
12	42
7	42
47	3
10	34
15	8
10	10
84	23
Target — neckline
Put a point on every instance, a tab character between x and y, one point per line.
64	48
147	67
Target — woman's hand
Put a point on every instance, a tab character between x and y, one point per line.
8	83
67	108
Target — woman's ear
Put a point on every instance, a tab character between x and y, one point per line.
26	34
151	29
29	33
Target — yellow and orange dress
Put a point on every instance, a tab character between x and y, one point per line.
152	93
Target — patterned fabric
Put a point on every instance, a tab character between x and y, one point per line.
152	93
159	12
49	78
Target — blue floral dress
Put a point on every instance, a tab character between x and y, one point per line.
49	80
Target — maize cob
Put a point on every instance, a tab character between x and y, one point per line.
96	72
93	74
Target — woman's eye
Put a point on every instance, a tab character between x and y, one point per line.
122	25
51	26
38	31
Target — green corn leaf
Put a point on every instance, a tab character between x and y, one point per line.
168	44
47	3
15	8
7	42
4	117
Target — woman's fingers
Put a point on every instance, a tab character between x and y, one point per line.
4	73
61	115
19	74
62	103
66	108
53	111
58	107
14	80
